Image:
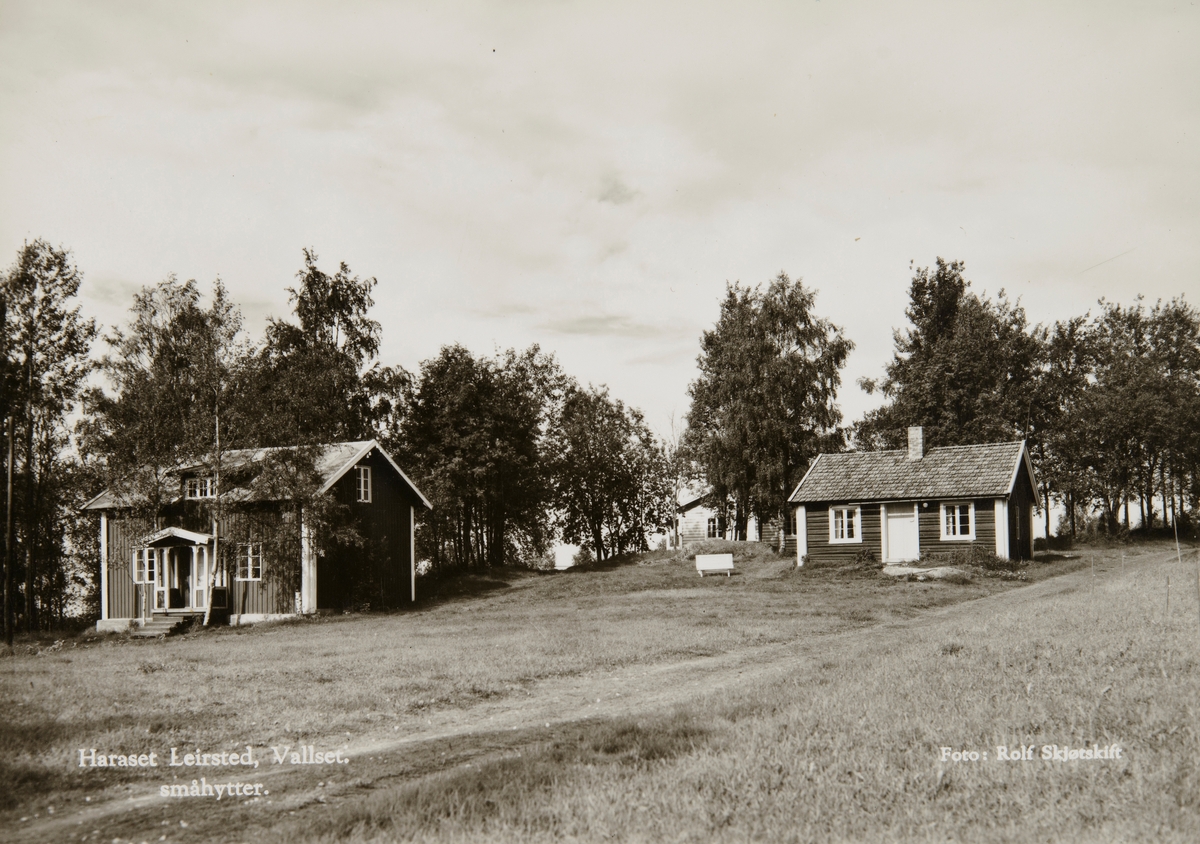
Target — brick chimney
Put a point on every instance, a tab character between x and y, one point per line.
916	442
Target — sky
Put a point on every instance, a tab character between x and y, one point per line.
590	176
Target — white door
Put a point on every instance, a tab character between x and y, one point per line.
199	577
162	583
902	540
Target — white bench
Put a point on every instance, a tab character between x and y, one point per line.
714	564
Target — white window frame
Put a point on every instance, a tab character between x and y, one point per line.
856	525
198	488
712	528
362	484
969	536
249	562
145	565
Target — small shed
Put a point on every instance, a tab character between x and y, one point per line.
901	504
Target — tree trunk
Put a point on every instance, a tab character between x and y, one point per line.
1071	511
1046	504
1162	485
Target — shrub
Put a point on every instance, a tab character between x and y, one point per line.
973	555
866	557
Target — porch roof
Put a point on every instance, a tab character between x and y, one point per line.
164	537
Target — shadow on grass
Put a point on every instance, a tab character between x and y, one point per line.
464	586
22	740
470	796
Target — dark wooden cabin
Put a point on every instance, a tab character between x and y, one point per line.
902	505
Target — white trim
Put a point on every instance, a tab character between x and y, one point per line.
883	533
145	562
969	536
917	521
248	548
177	533
1028	461
412	549
1002	528
308	568
885	537
363	485
857	538
811	466
103	566
204	486
801	535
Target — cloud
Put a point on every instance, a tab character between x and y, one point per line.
607	325
617	192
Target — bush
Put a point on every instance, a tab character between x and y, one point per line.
866	557
741	551
973	555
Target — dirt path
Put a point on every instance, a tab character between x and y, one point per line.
627	691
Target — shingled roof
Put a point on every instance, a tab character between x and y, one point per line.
331	461
964	471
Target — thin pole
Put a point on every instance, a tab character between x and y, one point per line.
8	533
212	569
1168	597
1179	559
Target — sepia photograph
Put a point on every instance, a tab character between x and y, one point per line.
553	421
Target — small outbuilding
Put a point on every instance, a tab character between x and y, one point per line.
898	505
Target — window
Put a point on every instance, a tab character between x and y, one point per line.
958	520
712	528
145	565
845	524
200	488
249	565
363	483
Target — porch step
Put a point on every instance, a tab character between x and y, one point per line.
162	625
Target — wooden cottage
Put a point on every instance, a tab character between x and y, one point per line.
899	505
158	571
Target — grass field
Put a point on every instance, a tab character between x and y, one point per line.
640	702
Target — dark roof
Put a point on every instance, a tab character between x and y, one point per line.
963	471
331	462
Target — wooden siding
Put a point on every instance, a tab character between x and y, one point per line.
124	596
693	526
821	550
379	573
932	544
280	578
1021	504
125	534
